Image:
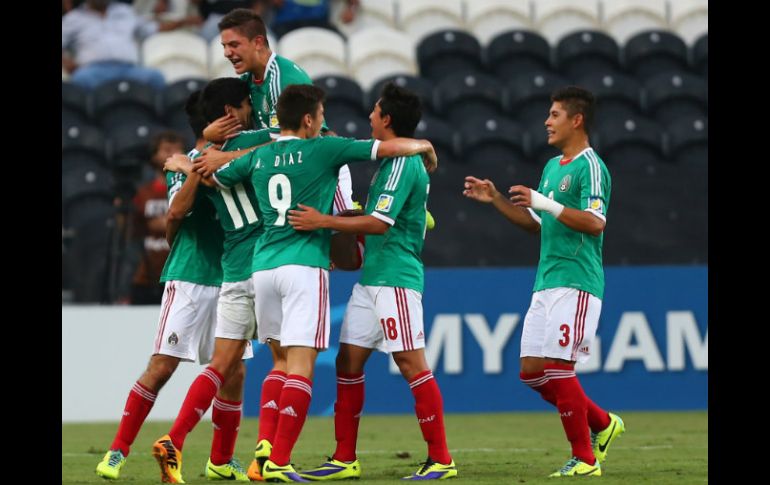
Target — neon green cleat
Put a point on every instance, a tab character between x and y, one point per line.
577	468
334	470
261	454
430	470
601	441
169	458
274	473
111	464
229	471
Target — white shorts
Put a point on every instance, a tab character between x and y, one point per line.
292	305
560	324
187	321
235	314
384	318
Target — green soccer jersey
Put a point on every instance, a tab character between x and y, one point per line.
398	196
196	251
237	211
569	258
295	171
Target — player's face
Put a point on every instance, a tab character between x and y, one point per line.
240	51
558	125
377	123
243	113
316	122
165	150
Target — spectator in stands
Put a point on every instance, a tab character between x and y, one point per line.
99	43
294	14
169	10
569	212
151	205
213	11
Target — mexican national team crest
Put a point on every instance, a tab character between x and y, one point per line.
565	183
384	203
173	339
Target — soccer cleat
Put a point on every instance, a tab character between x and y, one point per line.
111	464
261	454
577	468
601	441
430	470
169	459
229	471
334	470
274	473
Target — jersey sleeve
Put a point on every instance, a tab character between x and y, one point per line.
235	171
250	138
338	151
594	187
174	183
393	187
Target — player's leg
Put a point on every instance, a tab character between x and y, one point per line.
226	419
176	339
532	362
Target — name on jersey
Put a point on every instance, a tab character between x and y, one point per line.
284	160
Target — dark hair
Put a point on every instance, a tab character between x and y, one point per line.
246	22
404	109
170	136
195	114
577	100
222	92
296	101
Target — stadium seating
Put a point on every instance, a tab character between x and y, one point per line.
652	52
492	139
420	18
633	142
586	52
447	52
676	95
488	18
529	95
556	18
85	179
75	104
378	52
516	52
320	52
83	143
624	19
441	135
178	55
688	142
617	95
690	19
344	99
174	99
121	102
462	96
371	13
131	145
537	148
700	55
424	88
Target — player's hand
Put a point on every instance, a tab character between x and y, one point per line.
222	128
210	160
521	195
177	162
305	218
430	159
480	190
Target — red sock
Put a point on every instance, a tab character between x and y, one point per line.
196	403
268	405
541	384
226	420
598	418
430	414
571	402
295	401
347	414
140	401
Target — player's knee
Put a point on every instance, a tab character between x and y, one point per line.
409	367
159	371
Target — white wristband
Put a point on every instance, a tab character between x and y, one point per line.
543	203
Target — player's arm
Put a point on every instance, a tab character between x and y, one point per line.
180	205
485	191
578	220
306	218
403	147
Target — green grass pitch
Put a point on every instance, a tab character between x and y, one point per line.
497	448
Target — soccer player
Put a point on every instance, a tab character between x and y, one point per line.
385	309
569	210
192	276
290	268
